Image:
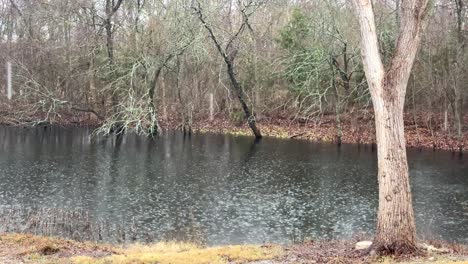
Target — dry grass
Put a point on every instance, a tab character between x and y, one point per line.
182	253
23	248
20	248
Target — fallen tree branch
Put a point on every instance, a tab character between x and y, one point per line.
88	111
297	135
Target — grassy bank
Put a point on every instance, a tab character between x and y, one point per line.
21	248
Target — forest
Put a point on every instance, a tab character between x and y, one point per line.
233	131
144	65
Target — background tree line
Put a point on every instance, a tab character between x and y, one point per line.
136	63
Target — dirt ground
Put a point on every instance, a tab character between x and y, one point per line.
22	248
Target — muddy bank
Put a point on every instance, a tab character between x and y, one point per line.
421	131
325	130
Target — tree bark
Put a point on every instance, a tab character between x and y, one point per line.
396	232
395	223
239	93
229	60
92	84
9	85
154	124
339	130
459	5
211	107
163	99
110	48
110	11
154	128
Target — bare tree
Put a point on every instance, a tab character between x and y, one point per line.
229	54
458	89
395	224
154	128
283	60
111	9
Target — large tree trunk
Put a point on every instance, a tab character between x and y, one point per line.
395	224
395	221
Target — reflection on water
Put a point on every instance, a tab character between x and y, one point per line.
223	189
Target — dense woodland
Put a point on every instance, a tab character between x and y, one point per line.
140	63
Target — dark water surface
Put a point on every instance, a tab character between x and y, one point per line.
223	189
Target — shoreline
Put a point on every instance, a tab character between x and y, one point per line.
26	248
358	129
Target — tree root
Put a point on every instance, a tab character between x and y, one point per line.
400	248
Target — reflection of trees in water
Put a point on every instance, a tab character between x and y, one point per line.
184	224
114	158
77	224
215	173
315	197
169	167
252	150
106	184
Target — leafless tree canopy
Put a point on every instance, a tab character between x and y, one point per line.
137	63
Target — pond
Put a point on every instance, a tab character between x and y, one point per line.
223	189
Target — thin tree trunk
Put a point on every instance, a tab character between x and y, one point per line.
239	93
211	107
154	124
459	113
110	11
445	116
9	85
344	75
154	129
345	78
339	131
92	84
458	86
229	60
110	53
163	99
